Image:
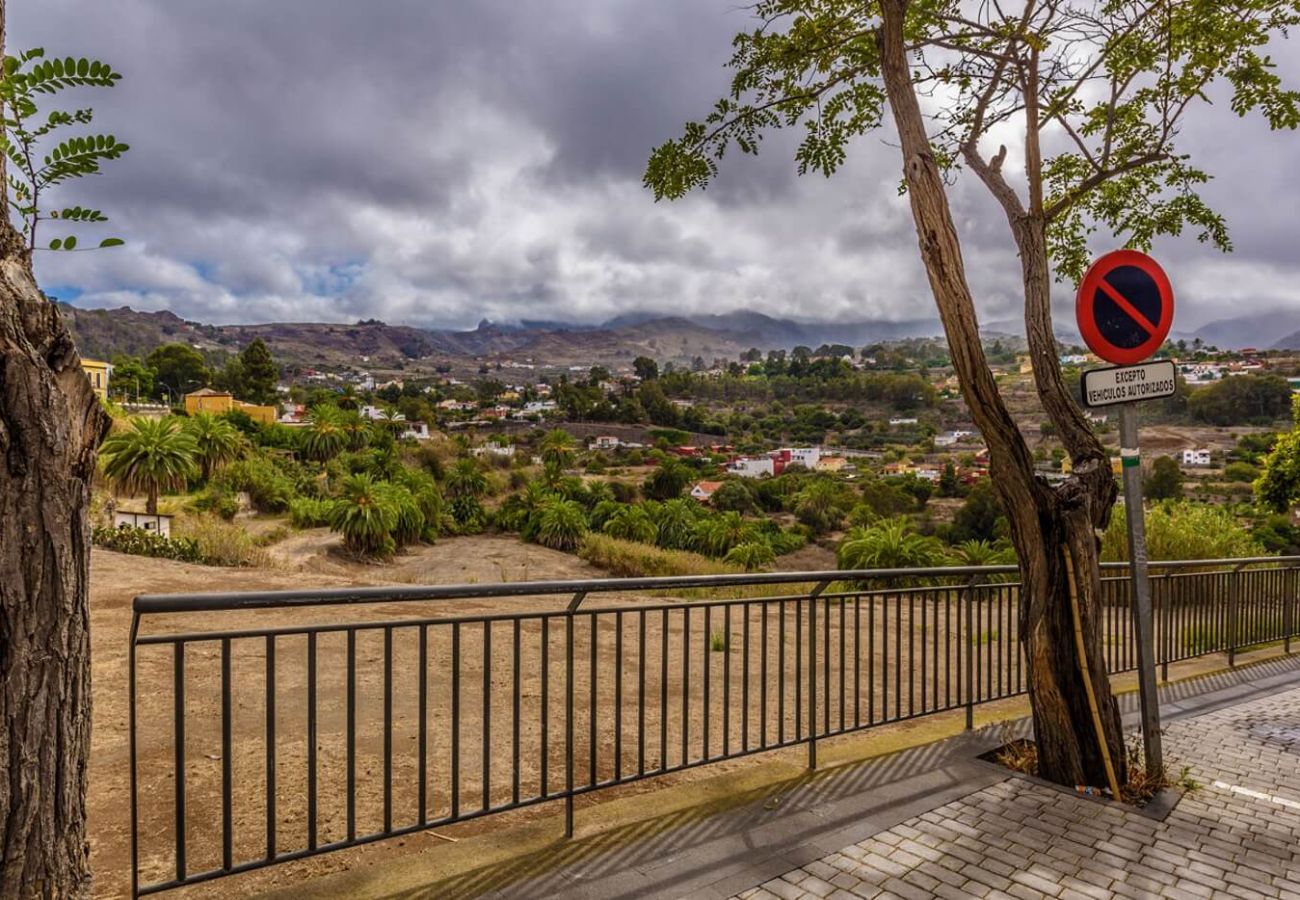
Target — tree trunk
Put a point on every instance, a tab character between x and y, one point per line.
151	501
50	425
1045	523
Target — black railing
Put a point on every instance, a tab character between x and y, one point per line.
290	739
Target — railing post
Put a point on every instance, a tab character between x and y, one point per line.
968	593
1166	633
1234	580
1288	607
130	705
568	712
812	671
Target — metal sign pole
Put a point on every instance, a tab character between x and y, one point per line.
1143	629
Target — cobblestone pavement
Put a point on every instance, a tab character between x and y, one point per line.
1238	835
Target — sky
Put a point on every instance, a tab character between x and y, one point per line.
441	162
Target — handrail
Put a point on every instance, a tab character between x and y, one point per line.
247	600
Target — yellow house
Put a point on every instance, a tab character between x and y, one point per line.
206	400
98	372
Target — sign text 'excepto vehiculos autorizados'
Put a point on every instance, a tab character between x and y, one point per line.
1125	384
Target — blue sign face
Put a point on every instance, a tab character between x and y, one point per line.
1127	307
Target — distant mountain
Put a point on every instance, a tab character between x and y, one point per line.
376	344
1258	330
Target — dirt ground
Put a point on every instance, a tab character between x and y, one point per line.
754	691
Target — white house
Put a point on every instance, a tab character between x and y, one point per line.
417	430
752	466
605	442
896	421
808	457
158	524
1196	458
703	490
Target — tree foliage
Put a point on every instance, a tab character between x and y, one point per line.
39	156
151	455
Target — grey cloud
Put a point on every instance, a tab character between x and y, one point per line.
442	162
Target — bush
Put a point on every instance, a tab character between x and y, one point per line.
561	525
1183	530
139	542
219	543
1240	471
307	512
630	559
268	488
751	555
219	501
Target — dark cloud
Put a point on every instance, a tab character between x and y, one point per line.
443	162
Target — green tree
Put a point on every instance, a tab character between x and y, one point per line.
216	442
645	368
889	544
324	437
734	496
179	369
1108	160
667	481
1165	481
260	373
675	523
1248	399
365	515
132	379
1278	487
630	523
152	455
561	525
557	448
980	518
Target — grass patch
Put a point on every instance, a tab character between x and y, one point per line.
632	559
220	543
718	641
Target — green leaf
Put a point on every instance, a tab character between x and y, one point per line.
83	67
56	244
111	242
70	243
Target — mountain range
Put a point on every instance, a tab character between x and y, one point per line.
102	333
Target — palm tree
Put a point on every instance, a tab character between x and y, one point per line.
751	555
716	535
561	525
557	448
675	524
982	553
365	516
818	504
217	442
466	479
151	456
325	435
891	544
355	428
630	523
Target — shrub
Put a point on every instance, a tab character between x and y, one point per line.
751	555
268	488
219	501
220	543
630	559
1183	530
139	542
365	517
891	544
307	512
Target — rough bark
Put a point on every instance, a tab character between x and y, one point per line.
1045	522
50	424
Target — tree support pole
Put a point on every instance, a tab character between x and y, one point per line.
1143	630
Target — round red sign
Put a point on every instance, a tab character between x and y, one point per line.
1125	307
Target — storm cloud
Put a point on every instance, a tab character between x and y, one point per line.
438	163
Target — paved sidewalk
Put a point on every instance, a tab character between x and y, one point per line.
937	822
1238	836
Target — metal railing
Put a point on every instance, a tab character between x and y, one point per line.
291	739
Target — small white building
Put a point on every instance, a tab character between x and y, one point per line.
493	449
703	490
896	421
1197	458
752	466
605	442
417	430
157	524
